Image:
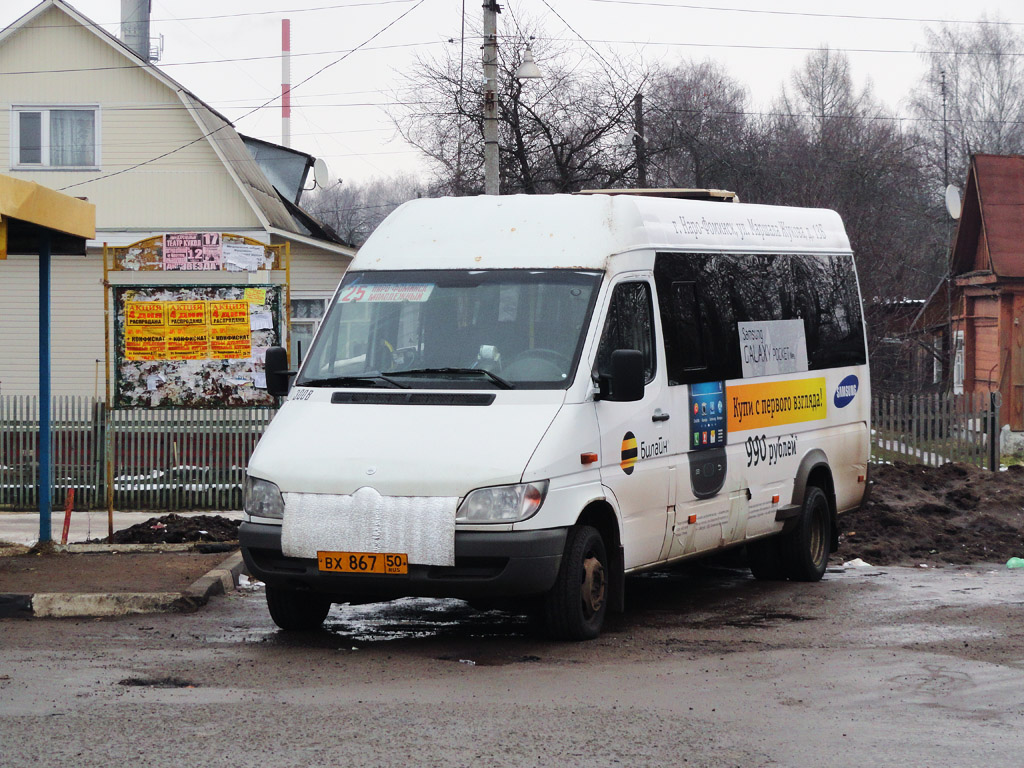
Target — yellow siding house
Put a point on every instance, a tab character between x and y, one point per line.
87	116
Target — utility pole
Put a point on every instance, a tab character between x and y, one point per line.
945	137
491	11
639	141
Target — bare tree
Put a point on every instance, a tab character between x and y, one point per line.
828	144
355	210
696	125
980	72
567	131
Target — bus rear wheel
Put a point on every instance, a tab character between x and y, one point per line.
805	549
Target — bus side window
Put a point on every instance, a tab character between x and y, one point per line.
629	325
685	341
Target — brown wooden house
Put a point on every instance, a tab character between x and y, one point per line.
987	283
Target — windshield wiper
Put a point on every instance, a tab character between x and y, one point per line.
367	379
503	383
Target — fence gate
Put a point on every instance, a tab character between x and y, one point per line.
935	429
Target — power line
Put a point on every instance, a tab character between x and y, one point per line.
588	43
890	118
182	108
676	44
268	103
224	61
806	13
608	67
238	14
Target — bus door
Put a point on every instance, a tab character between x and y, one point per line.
635	459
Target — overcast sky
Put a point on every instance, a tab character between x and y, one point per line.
227	52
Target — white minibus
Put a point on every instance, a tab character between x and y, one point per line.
528	398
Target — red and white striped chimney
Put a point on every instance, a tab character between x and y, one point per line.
286	82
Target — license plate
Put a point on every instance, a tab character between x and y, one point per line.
363	562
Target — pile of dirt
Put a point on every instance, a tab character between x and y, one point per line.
954	514
177	529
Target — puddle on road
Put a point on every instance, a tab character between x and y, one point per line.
350	626
696	598
765	619
414	617
923	634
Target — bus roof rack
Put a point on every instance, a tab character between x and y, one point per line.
718	195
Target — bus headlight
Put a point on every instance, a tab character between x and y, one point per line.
502	503
263	499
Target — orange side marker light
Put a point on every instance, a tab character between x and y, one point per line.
588	458
775	499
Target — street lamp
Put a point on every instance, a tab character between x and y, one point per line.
528	70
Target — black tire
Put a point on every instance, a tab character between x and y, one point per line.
575	607
295	611
805	549
764	557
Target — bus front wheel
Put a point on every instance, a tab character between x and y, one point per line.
574	609
295	611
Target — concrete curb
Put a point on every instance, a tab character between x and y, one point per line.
218	581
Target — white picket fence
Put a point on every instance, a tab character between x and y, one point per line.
936	428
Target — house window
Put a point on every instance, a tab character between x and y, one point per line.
306	317
55	137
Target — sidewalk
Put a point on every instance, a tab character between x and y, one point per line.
119	580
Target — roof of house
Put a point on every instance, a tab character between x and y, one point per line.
238	162
990	235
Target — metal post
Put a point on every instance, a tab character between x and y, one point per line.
994	401
491	11
639	141
945	137
44	389
108	420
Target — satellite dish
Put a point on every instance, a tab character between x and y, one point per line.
322	176
953	201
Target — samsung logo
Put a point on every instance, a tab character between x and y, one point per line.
846	391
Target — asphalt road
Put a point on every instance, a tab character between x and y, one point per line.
871	667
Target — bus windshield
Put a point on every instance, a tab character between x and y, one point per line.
454	329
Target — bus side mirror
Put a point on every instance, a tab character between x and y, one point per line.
626	380
279	378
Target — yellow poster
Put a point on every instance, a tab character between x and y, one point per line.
186	313
230	342
145	343
772	404
256	295
188	343
229	313
144	314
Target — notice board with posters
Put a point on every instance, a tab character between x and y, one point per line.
194	345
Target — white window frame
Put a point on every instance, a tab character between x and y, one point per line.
958	363
312	322
44	129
